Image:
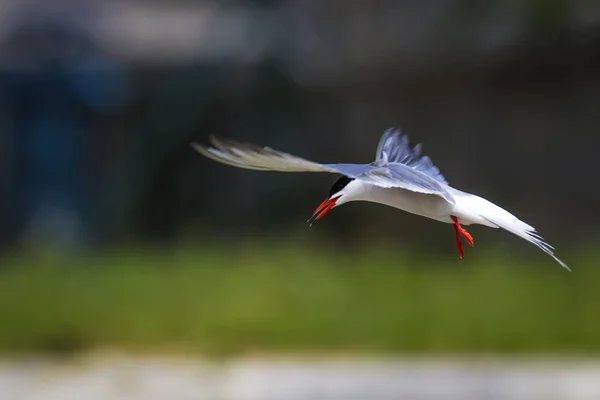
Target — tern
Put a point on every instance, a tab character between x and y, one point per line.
400	177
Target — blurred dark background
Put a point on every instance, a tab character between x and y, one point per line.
99	100
116	236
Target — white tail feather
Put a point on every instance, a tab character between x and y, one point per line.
474	209
514	225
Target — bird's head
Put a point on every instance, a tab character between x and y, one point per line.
341	192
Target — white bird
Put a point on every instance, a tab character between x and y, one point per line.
400	177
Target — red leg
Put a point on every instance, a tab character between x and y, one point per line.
461	252
463	232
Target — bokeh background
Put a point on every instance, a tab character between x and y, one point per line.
116	237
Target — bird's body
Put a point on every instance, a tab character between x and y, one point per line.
425	205
400	177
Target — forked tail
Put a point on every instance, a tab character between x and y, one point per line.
512	224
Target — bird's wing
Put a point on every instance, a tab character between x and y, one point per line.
392	175
396	175
249	156
395	147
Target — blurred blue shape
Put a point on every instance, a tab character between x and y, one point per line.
60	83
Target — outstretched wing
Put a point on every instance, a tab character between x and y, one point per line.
394	175
249	156
395	147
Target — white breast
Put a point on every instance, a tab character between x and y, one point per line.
426	205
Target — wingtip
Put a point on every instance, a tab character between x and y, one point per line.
201	148
198	147
204	150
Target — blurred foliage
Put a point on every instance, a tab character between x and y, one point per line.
297	298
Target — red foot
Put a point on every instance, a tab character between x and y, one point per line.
463	232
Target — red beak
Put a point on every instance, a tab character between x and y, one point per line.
323	208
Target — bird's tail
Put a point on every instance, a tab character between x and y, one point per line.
505	220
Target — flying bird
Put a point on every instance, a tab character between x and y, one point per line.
400	177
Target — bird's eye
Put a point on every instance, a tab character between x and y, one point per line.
339	185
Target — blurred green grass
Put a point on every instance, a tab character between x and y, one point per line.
230	300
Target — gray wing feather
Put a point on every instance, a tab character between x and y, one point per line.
249	156
395	175
395	147
391	175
